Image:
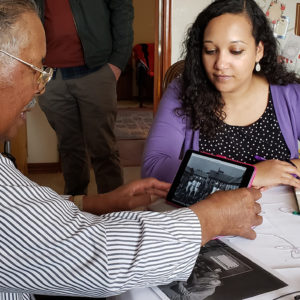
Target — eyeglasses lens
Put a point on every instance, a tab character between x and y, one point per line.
46	76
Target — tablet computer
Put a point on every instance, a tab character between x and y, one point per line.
201	174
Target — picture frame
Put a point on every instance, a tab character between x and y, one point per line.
222	272
297	21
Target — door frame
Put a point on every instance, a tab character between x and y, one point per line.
297	21
162	52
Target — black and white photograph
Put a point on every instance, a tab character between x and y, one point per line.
205	175
222	273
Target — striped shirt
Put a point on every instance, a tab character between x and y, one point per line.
50	247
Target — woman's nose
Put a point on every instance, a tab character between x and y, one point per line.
221	61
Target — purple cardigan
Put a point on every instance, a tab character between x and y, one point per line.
171	136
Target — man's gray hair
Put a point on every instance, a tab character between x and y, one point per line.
10	12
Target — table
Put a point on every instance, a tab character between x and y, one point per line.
277	246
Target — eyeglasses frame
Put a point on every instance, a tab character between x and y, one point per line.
48	75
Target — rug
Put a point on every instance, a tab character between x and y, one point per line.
133	124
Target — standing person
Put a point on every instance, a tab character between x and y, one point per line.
49	246
88	44
234	99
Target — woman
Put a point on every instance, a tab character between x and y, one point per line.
233	99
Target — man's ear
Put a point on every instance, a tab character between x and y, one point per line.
259	51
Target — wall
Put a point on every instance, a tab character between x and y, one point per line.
184	15
144	21
41	138
182	18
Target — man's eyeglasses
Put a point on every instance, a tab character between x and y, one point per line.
46	72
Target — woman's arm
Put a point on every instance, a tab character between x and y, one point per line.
163	146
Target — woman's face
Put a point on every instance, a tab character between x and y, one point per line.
229	52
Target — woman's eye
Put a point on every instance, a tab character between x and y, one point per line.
210	51
237	52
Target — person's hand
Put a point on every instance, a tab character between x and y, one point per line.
274	172
127	197
116	71
139	192
229	213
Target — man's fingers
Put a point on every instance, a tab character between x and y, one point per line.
150	186
258	220
159	193
251	234
255	193
160	185
257	208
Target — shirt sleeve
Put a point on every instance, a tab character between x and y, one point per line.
121	17
164	145
286	100
49	247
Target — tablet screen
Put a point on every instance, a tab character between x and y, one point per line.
201	174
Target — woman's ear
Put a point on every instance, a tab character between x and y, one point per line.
259	51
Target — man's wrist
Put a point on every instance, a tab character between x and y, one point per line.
78	201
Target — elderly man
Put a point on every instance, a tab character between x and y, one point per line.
48	246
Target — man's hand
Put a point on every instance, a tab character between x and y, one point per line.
126	197
229	213
139	192
115	70
274	172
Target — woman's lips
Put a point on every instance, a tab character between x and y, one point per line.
222	77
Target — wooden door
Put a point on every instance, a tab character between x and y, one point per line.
162	57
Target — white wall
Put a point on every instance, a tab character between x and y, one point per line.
183	15
41	138
185	12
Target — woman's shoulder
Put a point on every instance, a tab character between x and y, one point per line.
174	86
286	95
286	88
172	92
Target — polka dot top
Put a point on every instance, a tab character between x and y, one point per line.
242	143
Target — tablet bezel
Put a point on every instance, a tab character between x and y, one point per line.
246	180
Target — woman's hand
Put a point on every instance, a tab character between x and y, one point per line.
274	172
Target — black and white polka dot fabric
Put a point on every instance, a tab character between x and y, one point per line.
242	143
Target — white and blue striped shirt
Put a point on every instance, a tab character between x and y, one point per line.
49	247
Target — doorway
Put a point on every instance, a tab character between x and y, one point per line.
137	81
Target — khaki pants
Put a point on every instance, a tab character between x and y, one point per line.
82	111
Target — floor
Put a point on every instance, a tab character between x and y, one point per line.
56	181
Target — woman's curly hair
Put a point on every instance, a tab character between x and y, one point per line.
201	101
